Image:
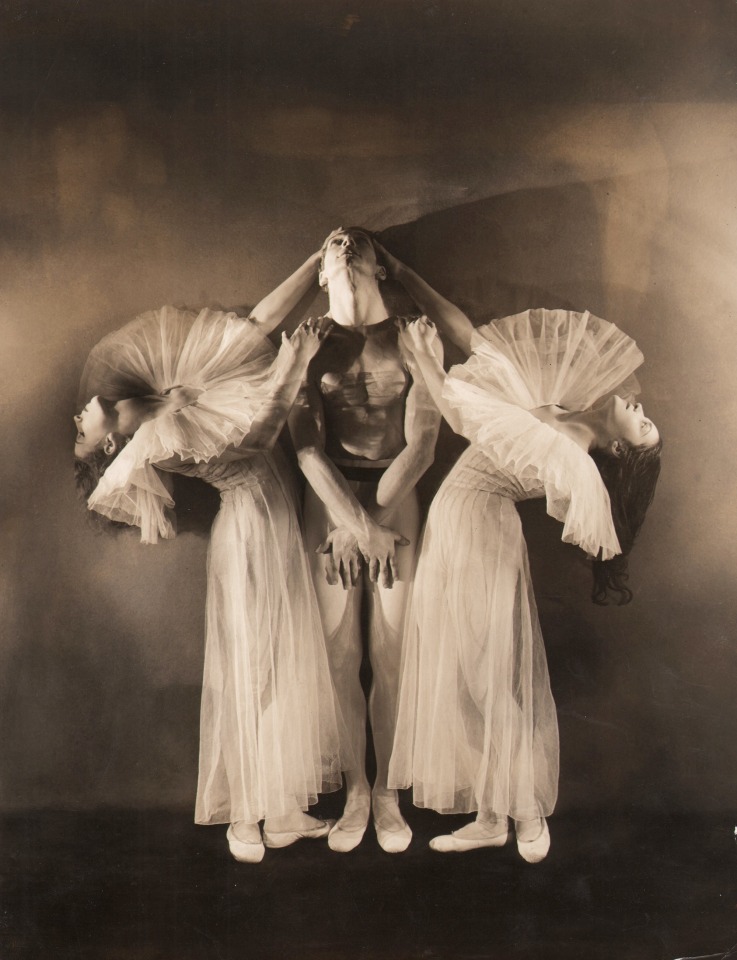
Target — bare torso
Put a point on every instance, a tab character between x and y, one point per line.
363	382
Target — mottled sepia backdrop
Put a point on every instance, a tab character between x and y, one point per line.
517	153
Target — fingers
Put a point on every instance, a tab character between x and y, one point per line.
387	573
331	571
345	576
319	327
349	571
326	546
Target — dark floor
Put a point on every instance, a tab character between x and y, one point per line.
151	886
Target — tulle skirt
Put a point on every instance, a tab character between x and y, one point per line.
477	728
269	734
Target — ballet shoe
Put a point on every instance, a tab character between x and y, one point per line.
451	843
245	851
343	841
533	851
392	839
285	838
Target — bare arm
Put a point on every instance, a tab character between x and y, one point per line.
279	394
275	306
451	320
357	533
419	339
289	370
421	426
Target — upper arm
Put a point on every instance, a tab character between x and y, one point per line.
422	417
307	418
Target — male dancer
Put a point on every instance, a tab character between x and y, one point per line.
365	433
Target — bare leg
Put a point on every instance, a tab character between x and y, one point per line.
385	648
340	614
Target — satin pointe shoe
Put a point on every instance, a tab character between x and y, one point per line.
452	843
245	851
285	838
533	851
392	830
342	838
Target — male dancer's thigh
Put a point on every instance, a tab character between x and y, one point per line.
334	601
404	519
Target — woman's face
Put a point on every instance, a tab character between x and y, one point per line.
94	423
627	421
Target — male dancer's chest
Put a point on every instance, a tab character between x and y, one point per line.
364	383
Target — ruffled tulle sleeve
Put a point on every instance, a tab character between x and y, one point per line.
553	356
540	459
132	491
171	346
226	360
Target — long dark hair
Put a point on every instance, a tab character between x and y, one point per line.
87	474
630	479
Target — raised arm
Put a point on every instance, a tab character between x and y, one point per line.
278	395
275	306
282	388
451	320
420	341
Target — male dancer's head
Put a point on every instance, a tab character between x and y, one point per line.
350	275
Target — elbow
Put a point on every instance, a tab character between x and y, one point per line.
306	454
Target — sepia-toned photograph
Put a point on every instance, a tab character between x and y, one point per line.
367	581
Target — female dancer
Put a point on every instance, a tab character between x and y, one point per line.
198	394
538	399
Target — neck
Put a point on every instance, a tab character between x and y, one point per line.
134	412
586	427
355	301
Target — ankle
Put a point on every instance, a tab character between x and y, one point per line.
528	830
384	794
358	795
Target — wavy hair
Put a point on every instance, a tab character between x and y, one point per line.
87	474
630	480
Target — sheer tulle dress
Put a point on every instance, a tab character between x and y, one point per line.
269	730
477	727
